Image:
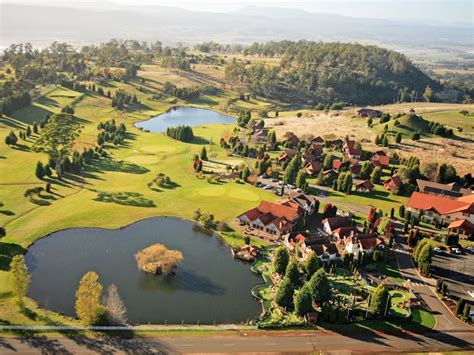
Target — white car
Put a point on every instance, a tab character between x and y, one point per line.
470	249
281	183
438	250
267	187
291	186
456	251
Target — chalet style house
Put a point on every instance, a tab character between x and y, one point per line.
330	224
443	209
363	186
380	159
272	218
393	184
350	150
452	191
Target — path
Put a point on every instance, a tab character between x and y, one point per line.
424	287
302	341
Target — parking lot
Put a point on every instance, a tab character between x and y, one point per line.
458	271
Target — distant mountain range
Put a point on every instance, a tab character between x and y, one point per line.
40	25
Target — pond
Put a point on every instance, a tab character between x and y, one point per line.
209	285
188	116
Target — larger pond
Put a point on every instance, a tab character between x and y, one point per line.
209	285
188	116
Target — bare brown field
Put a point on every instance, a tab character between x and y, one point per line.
423	107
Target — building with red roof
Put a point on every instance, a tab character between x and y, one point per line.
380	159
393	184
441	208
363	186
272	218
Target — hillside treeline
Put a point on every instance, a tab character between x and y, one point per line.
311	73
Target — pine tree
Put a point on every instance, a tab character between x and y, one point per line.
203	154
88	298
301	179
35	127
303	301
39	170
292	273
284	295
398	138
311	264
378	302
280	260
116	311
20	278
47	170
320	287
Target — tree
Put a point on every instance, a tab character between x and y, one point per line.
245	173
88	297
424	258
376	175
203	154
378	302
419	247
415	136
284	295
301	179
428	93
398	138
47	170
459	306
292	273
11	139
280	260
28	131
3	232
365	170
20	278
327	163
311	264
303	301
401	211
158	259
320	287
57	139
385	140
39	171
116	311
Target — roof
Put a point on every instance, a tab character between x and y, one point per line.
369	243
314	166
451	190
467	198
394	181
317	139
337	222
344	231
464	224
365	184
314	149
440	204
278	210
336	164
380	158
355	169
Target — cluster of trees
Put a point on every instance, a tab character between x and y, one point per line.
185	93
205	218
312	73
440	129
344	182
14	103
110	132
89	307
292	169
181	133
161	180
158	259
121	99
422	255
57	139
381	139
11	138
244	118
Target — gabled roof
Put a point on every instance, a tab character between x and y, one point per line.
278	210
467	198
337	222
369	243
379	158
441	205
317	139
451	190
365	184
463	224
314	166
393	182
344	231
336	164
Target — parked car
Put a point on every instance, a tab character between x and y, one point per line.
298	190
263	176
258	184
470	249
274	180
281	183
456	250
291	186
267	187
438	250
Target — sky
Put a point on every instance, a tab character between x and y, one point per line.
439	11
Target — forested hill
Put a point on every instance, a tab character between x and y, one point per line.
311	73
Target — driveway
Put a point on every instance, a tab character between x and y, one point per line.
445	320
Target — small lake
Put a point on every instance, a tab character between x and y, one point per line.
188	116
209	285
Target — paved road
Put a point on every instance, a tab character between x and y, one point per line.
445	320
240	342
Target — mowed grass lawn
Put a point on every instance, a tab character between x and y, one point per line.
379	198
112	192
